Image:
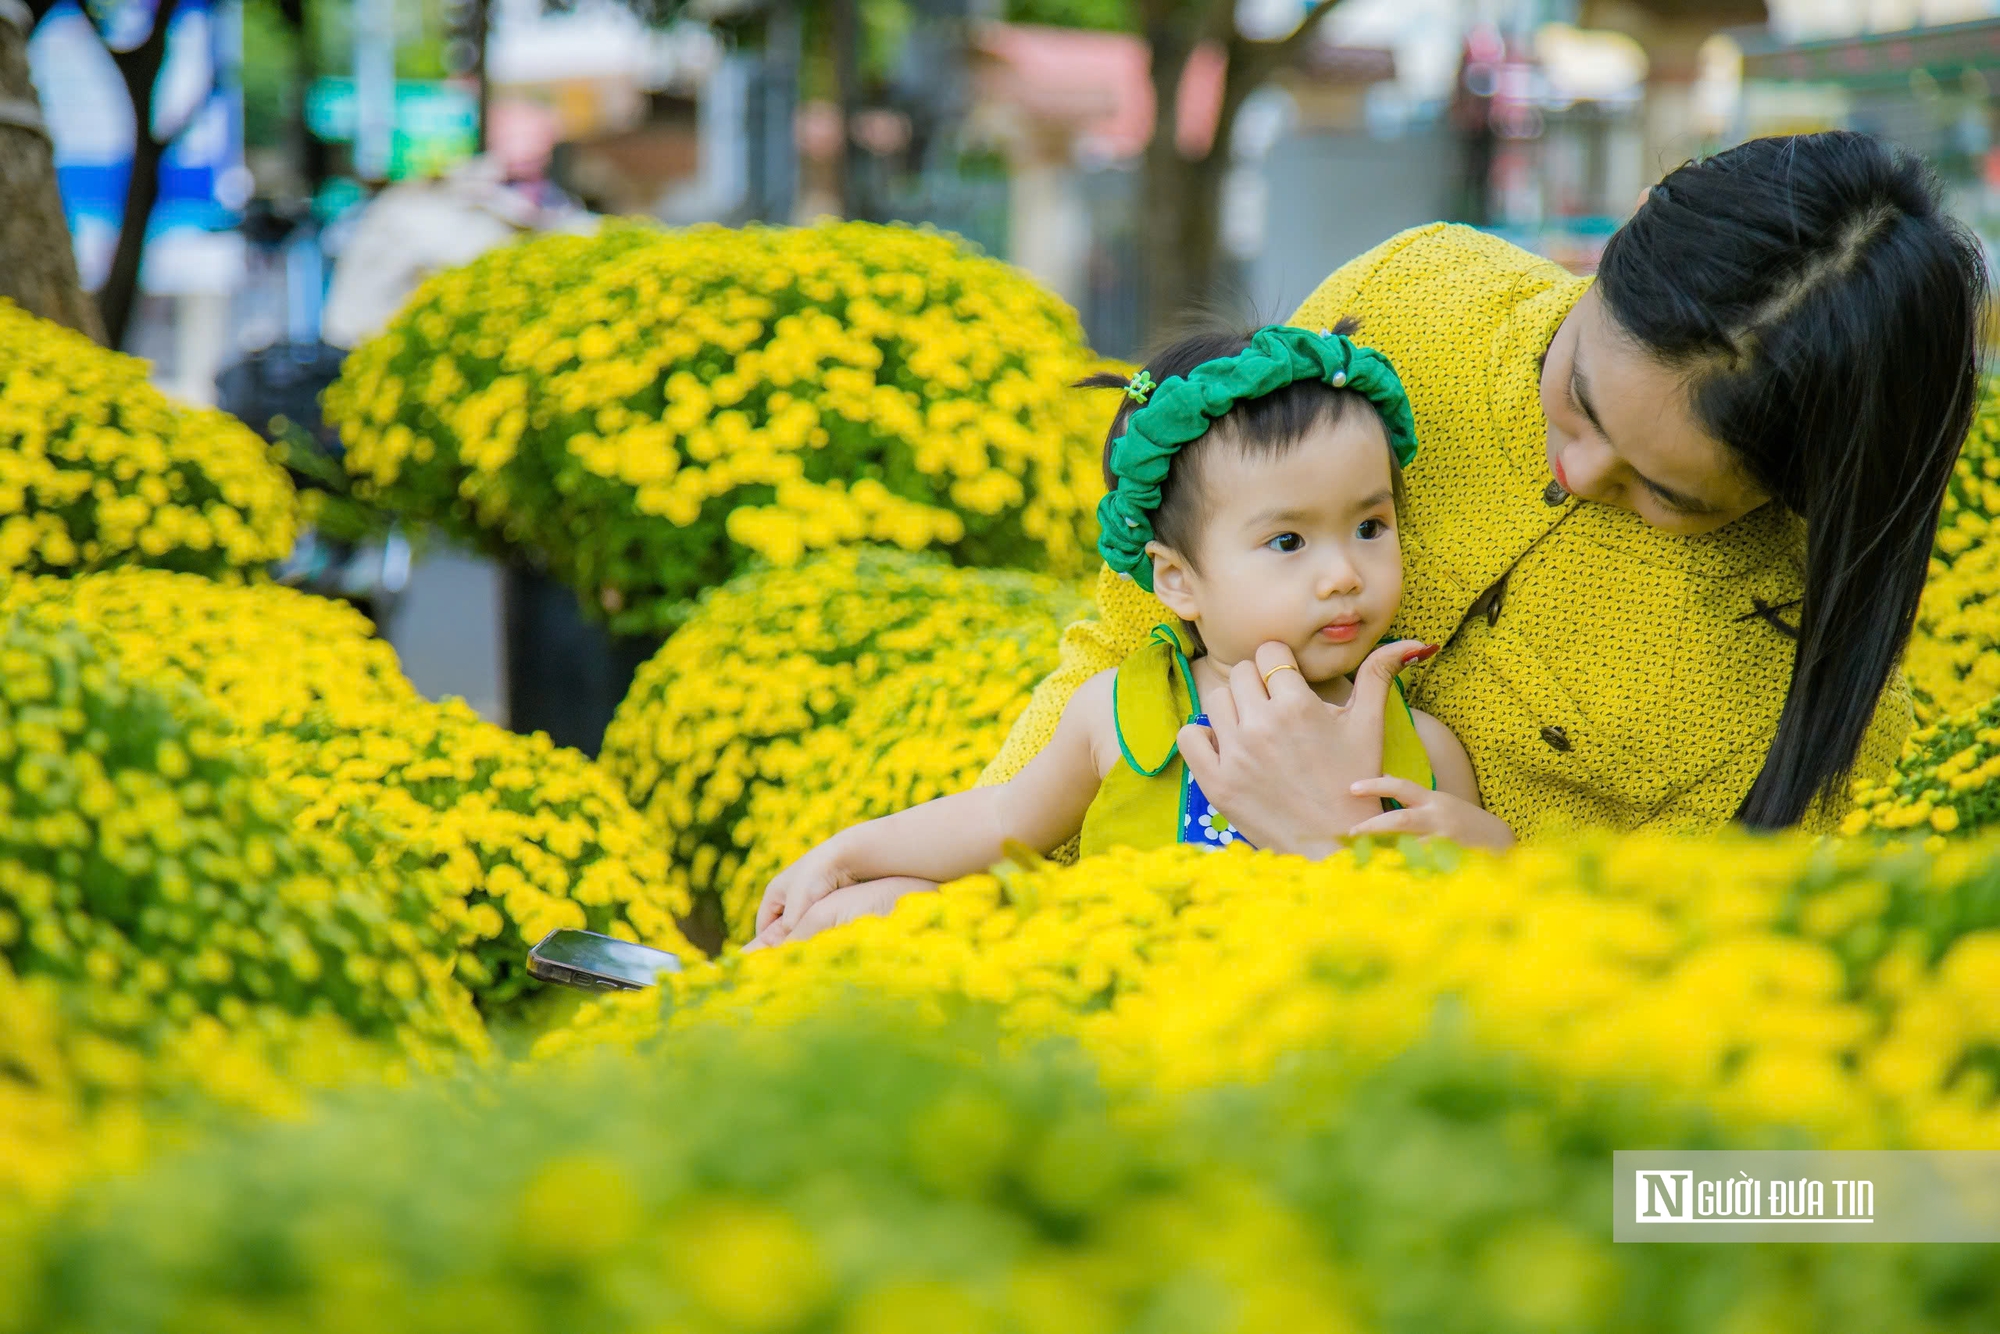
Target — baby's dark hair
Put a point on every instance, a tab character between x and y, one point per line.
1267	426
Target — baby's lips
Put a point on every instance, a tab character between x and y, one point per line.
1419	653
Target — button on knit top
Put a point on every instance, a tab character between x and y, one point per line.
1600	672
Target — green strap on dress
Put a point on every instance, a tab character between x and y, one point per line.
1153	697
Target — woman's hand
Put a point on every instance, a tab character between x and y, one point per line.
870	898
794	890
1281	762
1428	812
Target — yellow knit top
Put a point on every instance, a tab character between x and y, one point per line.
1610	674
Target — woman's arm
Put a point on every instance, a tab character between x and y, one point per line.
1042	807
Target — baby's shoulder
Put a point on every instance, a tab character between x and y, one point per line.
1094	697
1092	701
1095	710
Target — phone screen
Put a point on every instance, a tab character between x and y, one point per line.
607	955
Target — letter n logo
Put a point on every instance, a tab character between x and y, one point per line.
1665	1197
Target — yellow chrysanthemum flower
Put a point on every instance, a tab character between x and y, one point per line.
735	709
147	861
655	411
475	820
1840	990
99	469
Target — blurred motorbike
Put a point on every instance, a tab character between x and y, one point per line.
348	551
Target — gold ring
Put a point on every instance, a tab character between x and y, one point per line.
1281	667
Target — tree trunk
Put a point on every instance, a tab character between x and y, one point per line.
140	68
1176	242
1169	276
37	262
305	147
1180	239
482	28
120	293
1181	197
845	21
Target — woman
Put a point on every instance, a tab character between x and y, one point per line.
1670	527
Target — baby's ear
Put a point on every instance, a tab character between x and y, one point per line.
1173	581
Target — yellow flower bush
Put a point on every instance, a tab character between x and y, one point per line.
1947	781
143	859
99	469
266	655
48	1133
1164	1091
922	732
1842	991
527	835
1954	655
650	412
80	1099
855	1181
507	836
722	712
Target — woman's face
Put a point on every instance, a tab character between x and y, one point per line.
1622	432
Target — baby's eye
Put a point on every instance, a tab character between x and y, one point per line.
1371	528
1286	542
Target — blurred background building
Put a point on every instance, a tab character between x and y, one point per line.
1022	124
275	128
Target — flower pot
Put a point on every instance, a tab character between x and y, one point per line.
565	672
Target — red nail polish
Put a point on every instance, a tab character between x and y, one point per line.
1419	654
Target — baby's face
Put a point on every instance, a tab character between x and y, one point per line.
1300	548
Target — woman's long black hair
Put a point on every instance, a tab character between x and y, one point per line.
1825	311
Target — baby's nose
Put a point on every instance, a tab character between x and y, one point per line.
1340	575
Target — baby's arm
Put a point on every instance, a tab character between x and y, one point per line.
1042	807
1451	811
1451	766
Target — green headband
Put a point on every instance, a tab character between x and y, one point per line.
1182	408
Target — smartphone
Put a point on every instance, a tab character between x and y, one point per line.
598	963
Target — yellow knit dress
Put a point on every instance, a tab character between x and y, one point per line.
1611	674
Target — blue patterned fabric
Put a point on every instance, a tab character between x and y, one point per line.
1201	824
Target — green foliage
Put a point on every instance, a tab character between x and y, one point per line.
855	1176
326	496
143	856
269	56
1110	15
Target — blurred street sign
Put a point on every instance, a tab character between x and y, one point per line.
437	123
